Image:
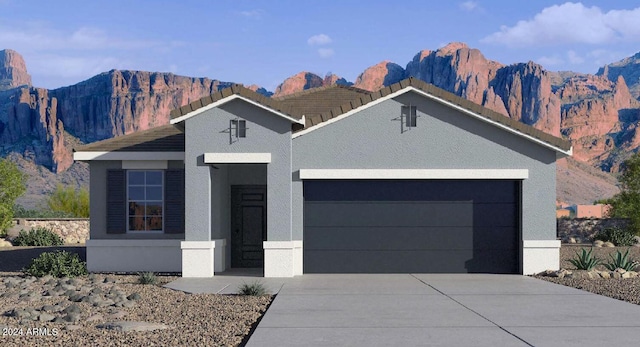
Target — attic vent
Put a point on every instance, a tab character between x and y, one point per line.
238	128
408	117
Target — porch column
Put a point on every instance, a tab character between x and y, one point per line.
198	248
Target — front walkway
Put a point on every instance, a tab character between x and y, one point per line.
434	310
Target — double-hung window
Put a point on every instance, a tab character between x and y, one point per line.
145	200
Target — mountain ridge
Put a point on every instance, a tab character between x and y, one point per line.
599	116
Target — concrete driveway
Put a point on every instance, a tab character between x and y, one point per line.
441	310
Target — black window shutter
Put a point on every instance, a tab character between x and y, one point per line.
116	202
174	202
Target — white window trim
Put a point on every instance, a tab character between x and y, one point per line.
163	206
337	174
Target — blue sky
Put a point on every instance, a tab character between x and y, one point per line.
264	42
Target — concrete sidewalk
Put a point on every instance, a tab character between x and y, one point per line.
441	310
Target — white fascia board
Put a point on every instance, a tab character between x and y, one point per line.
442	101
337	174
231	98
87	156
237	158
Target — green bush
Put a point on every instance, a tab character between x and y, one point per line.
21	212
254	289
12	185
57	264
37	237
69	200
622	261
618	236
584	260
147	278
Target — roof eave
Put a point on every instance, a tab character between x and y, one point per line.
229	98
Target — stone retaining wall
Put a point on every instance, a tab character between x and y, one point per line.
582	230
72	230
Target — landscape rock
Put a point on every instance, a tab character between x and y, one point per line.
45	317
95	317
126	326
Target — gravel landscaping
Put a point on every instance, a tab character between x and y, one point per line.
626	289
114	310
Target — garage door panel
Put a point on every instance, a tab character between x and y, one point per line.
426	226
444	261
494	215
495	238
485	191
339	214
388	238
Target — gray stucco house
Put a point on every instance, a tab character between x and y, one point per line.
336	179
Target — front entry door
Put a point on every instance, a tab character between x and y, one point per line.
248	225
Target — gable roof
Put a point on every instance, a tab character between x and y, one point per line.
165	138
313	108
440	95
316	101
235	91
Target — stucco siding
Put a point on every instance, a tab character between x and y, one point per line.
98	202
443	139
208	132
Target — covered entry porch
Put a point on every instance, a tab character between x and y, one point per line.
235	201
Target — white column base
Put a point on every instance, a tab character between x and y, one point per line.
133	255
282	258
540	255
219	255
197	258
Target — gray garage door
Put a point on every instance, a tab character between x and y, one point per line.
411	226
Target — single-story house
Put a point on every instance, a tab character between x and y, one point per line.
407	179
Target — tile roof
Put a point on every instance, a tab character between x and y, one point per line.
165	138
317	105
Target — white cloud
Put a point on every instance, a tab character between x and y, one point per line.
574	58
39	38
326	52
570	23
52	65
550	61
469	6
254	14
602	57
319	40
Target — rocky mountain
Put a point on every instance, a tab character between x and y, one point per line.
598	113
13	70
629	68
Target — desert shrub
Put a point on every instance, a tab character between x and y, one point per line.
254	289
12	185
622	261
584	260
147	278
69	200
21	212
57	264
37	237
617	236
